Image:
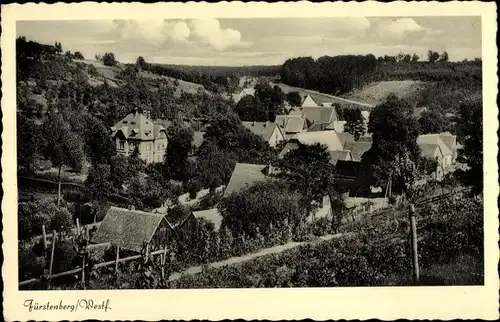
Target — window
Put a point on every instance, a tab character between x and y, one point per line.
122	145
148	147
131	146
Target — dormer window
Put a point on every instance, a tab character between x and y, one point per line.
125	122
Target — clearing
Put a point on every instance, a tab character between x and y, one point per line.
376	93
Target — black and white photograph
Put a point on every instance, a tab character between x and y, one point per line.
249	153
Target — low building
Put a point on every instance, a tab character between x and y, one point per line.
131	229
137	130
245	175
447	144
268	131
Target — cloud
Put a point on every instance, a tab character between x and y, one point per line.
397	28
197	31
209	32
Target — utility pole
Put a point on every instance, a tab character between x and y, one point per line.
414	249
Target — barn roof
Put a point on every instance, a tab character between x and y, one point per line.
128	229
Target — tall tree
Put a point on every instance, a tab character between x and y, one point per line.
444	57
470	132
63	147
179	146
140	63
98	184
394	132
308	171
355	124
432	56
433	122
250	108
99	144
28	141
294	98
108	59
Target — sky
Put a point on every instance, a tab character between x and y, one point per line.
259	41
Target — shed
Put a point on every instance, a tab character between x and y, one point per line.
130	229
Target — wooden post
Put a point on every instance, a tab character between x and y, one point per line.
54	236
147	253
163	259
117	257
414	249
44	238
83	271
77	226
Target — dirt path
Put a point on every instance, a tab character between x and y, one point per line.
263	252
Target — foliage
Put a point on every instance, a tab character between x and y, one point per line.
29	138
294	98
32	215
99	183
433	122
259	207
108	59
250	108
272	98
178	149
394	131
99	144
354	122
470	132
63	147
332	75
432	56
378	254
308	171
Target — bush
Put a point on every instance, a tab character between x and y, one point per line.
32	215
109	59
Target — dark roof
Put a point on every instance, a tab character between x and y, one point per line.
137	126
263	129
317	114
245	175
128	229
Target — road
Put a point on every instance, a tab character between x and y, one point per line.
241	259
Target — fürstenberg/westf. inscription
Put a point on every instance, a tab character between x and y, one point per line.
82	304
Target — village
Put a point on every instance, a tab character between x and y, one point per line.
144	180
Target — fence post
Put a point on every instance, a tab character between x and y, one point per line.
44	238
414	247
83	271
162	261
77	226
116	260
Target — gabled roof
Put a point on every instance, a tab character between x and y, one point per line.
137	126
247	91
263	129
429	149
329	138
345	138
291	123
308	101
435	139
316	114
244	175
128	229
211	215
449	139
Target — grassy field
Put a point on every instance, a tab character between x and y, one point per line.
376	93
